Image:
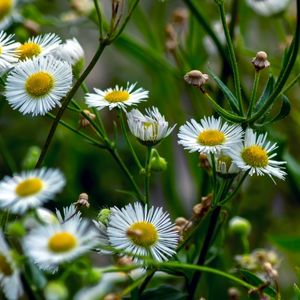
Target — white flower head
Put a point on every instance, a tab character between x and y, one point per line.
10	281
40	45
225	165
255	156
268	7
51	245
30	189
36	86
150	128
8	55
6	12
140	231
209	136
118	96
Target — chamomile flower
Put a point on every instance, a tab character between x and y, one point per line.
36	86
141	231
209	136
30	189
10	281
119	97
6	12
255	156
8	55
51	245
150	128
40	45
268	7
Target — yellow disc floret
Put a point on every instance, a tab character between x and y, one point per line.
211	137
117	96
255	156
29	50
5	8
62	242
39	84
5	267
29	187
143	234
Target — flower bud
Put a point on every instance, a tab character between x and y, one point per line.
83	201
196	78
104	215
239	226
260	61
180	16
158	164
234	293
31	158
16	229
83	122
56	290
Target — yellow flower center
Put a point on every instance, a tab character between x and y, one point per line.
255	156
39	84
5	7
211	137
117	96
62	242
29	187
143	234
29	50
5	267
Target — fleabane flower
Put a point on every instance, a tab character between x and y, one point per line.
140	231
36	86
6	12
255	156
209	136
117	97
40	45
10	281
30	189
51	245
8	55
150	128
268	7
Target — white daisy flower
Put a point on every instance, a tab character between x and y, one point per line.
150	128
117	97
10	281
209	136
141	231
268	7
36	86
225	165
40	45
254	155
8	55
30	189
51	245
6	12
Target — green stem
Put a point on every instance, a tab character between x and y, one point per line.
245	244
291	84
254	93
148	174
99	17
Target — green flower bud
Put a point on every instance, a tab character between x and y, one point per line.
31	157
158	164
103	215
56	290
239	226
78	67
94	276
16	229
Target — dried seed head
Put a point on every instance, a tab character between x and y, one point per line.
260	61
83	201
180	16
83	122
196	78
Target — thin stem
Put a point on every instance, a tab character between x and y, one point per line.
214	173
146	281
245	244
254	93
99	17
148	174
291	84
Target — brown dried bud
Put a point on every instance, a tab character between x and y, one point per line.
125	261
180	16
198	209
196	78
206	200
83	122
112	297
83	201
181	221
260	61
171	38
234	293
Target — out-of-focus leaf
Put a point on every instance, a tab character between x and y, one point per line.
293	170
290	243
297	291
165	293
284	110
254	280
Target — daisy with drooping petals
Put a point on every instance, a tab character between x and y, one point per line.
36	86
8	54
209	136
51	245
30	189
10	281
40	45
268	7
6	12
117	97
150	128
140	231
255	156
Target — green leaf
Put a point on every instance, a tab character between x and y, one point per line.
290	243
233	102
266	93
297	291
164	292
254	280
284	110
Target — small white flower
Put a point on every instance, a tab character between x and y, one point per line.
6	12
36	86
51	245
8	55
224	164
268	7
255	155
149	128
140	231
10	281
40	45
30	189
116	97
209	136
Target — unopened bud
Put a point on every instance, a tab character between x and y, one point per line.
272	273
16	229
234	293
31	157
125	261
83	201
198	209
181	221
239	226
158	164
104	215
83	122
196	78
171	38
180	16
260	61
56	290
